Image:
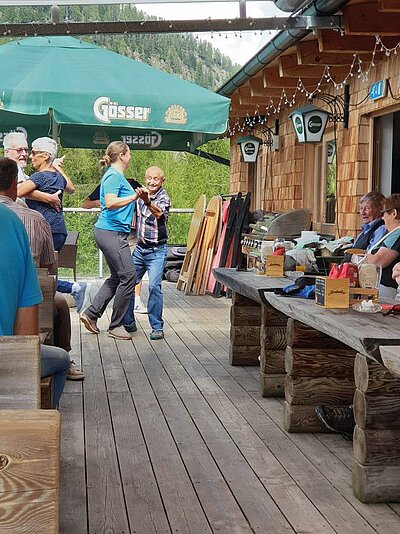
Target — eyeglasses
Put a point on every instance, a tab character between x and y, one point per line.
387	211
36	152
20	150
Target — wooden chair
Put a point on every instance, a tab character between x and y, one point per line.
46	308
67	255
29	471
19	373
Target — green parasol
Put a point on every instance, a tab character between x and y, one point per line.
91	96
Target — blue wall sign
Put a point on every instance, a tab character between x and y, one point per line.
378	90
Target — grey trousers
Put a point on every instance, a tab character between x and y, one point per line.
121	283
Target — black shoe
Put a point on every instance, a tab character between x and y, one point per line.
131	328
337	418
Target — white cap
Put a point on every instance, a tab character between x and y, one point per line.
45	144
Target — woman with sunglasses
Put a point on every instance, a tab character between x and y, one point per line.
50	179
386	251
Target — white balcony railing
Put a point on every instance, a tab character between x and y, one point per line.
97	210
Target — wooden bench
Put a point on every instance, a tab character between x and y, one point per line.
335	357
46	307
20	384
19	372
67	255
29	471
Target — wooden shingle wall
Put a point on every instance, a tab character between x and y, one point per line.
284	186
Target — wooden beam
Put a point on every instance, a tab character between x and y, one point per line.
308	53
332	41
257	89
366	19
256	101
392	6
272	79
288	67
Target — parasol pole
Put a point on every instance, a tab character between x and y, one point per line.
54	128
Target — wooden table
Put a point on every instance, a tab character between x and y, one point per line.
330	357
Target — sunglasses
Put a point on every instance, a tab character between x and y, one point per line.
36	152
387	211
20	150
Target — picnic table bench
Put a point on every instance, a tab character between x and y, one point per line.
330	357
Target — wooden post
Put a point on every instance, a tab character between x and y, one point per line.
245	331
319	371
273	345
376	406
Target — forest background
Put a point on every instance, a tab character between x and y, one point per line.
187	176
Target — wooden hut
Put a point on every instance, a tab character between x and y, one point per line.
358	48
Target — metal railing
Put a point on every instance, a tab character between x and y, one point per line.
97	210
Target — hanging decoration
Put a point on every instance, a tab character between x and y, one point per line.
358	68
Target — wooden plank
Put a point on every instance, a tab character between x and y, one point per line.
73	499
255	502
376	483
272	385
143	501
29	471
46	393
391	359
367	19
245	335
104	489
376	412
314	362
244	355
301	418
376	447
245	315
19	372
46	307
374	378
176	488
311	390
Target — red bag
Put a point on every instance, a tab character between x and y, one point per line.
345	270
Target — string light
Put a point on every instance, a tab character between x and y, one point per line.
358	69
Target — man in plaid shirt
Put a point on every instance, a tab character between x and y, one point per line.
150	254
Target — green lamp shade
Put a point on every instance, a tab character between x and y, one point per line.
309	123
249	146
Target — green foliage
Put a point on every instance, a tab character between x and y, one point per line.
187	176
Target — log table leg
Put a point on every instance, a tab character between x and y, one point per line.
320	370
376	469
273	344
245	331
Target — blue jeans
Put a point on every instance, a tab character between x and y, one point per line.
58	241
152	260
54	361
64	287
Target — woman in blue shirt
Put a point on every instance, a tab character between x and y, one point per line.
117	200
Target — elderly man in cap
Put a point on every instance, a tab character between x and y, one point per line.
51	179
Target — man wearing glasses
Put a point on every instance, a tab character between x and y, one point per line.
16	148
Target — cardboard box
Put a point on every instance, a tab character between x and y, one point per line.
332	292
274	266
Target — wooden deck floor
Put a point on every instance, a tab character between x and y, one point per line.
166	437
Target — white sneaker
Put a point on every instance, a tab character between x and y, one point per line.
139	306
